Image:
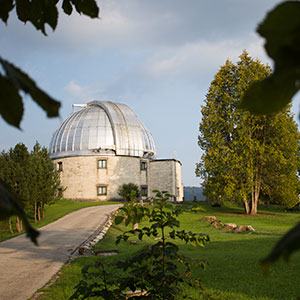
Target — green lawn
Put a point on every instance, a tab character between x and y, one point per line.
233	270
52	213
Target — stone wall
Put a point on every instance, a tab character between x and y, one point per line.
81	176
165	175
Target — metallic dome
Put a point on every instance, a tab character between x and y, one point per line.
102	128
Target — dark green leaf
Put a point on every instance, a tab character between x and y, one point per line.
5	7
43	12
172	234
141	234
11	106
87	7
270	95
128	220
67	7
118	240
23	8
22	81
51	13
289	243
119	219
281	29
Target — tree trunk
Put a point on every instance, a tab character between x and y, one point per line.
35	213
21	225
246	207
43	210
39	211
10	225
18	224
254	208
255	195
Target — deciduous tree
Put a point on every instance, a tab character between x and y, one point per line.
244	154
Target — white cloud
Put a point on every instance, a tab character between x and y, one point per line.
142	25
193	63
74	89
84	93
200	58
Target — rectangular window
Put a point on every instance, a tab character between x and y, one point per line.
102	164
144	191
59	166
143	165
102	190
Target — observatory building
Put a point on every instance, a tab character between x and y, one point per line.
104	145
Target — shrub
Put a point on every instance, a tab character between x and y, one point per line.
126	191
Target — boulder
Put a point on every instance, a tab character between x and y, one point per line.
250	228
85	251
230	226
244	228
209	218
107	252
217	224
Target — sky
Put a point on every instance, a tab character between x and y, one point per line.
158	57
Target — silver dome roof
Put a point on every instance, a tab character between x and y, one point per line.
102	128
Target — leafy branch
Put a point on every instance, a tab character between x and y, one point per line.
281	29
13	80
155	267
42	12
154	270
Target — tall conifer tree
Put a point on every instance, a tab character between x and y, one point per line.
245	155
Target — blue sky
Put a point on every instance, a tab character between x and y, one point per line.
157	56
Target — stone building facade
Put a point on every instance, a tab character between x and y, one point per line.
104	145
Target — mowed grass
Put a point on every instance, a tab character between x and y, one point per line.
52	213
233	270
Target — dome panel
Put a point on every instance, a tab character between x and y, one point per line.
102	127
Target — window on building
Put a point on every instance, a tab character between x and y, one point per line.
143	165
102	164
59	166
144	191
101	190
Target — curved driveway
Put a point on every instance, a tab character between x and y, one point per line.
24	268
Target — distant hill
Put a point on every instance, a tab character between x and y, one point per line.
191	191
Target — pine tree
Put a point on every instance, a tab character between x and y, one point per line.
31	177
45	180
15	172
244	154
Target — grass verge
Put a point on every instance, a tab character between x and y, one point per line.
52	213
233	270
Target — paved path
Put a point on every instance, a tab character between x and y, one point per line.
24	268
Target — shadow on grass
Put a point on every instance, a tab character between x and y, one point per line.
225	208
238	209
233	266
